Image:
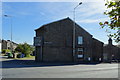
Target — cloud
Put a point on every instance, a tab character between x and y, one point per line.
84	12
56	10
23	13
93	20
50	0
1	9
18	9
91	8
91	12
88	12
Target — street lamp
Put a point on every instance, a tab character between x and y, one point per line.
11	30
74	31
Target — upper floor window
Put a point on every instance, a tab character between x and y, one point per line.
80	40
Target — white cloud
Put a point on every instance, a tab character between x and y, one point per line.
53	0
50	0
92	20
114	0
88	12
91	12
90	9
23	13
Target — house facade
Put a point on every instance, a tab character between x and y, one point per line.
97	51
111	52
53	43
6	44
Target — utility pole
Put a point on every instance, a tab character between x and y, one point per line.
74	31
11	31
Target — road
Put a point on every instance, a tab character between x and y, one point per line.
30	69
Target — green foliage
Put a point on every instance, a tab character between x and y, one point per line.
7	50
4	51
19	55
25	48
10	55
113	12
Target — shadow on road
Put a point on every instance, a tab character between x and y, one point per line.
32	63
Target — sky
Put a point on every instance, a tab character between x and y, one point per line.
28	16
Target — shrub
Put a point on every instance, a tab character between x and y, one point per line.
25	48
10	55
4	51
19	55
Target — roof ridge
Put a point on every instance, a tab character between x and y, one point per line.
53	22
62	20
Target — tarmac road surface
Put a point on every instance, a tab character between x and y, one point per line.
30	69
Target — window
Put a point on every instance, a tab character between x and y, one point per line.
37	41
80	53
80	49
80	56
80	40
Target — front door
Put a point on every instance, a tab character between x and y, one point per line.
105	56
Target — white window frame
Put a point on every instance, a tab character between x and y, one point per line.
80	55
80	40
80	49
37	41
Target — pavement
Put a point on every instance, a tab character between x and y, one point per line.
30	69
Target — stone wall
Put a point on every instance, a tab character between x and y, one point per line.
58	40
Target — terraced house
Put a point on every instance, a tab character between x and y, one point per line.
6	44
111	52
53	43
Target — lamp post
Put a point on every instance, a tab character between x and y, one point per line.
11	30
74	31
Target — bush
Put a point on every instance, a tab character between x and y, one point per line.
4	51
25	48
19	55
7	50
10	55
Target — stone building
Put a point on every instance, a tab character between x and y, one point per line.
97	50
6	44
53	43
110	52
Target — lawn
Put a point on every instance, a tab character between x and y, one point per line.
26	58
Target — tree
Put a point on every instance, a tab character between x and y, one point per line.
113	12
25	48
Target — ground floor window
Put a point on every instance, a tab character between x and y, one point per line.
80	49
80	53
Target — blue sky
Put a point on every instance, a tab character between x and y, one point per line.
28	16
